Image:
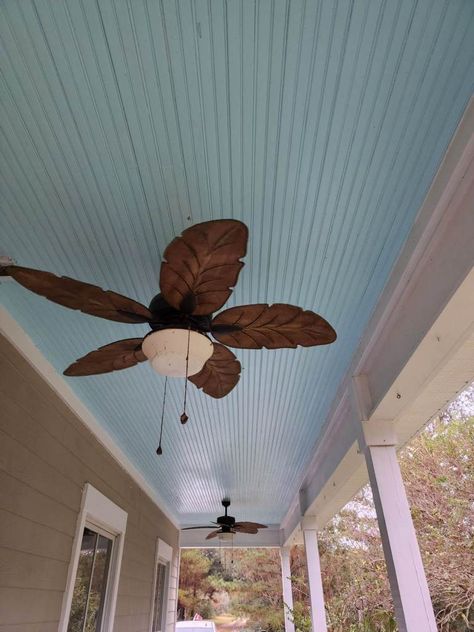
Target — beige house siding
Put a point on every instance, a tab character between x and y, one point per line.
46	457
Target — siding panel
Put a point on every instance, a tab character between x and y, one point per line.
22	534
22	606
25	570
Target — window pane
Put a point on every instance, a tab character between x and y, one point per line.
81	587
159	597
98	584
91	580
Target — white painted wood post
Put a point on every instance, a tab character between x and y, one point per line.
287	591
411	596
315	583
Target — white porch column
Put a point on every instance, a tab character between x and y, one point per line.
413	607
287	591
316	596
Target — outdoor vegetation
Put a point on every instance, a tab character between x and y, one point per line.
243	587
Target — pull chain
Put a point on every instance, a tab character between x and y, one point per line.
159	449
184	418
232	558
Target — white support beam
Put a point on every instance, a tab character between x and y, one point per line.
413	607
315	582
287	590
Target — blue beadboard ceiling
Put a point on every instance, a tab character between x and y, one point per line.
320	124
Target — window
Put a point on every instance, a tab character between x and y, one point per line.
159	600
90	587
160	586
92	584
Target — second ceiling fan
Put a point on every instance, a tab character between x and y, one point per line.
227	526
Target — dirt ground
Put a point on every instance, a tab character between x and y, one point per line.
227	623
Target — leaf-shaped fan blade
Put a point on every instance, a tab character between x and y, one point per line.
275	326
113	357
213	534
252	530
220	373
90	299
250	525
202	265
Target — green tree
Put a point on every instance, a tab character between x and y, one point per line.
258	594
193	582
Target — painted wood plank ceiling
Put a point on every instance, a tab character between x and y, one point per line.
320	124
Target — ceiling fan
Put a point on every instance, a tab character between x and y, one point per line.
228	526
199	270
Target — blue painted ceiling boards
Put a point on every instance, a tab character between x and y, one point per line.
319	124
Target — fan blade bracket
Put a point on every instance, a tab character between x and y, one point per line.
5	263
131	317
201	527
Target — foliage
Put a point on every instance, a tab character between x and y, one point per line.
250	577
354	573
195	585
300	615
438	469
259	595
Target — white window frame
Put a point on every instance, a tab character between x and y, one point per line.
97	510
163	554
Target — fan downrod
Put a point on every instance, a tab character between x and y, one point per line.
226	520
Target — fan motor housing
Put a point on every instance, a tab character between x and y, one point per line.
228	521
164	316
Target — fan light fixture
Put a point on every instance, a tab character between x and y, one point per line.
167	349
226	536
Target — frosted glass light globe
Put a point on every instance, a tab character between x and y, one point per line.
166	350
226	536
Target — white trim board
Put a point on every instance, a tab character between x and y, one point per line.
23	343
163	553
